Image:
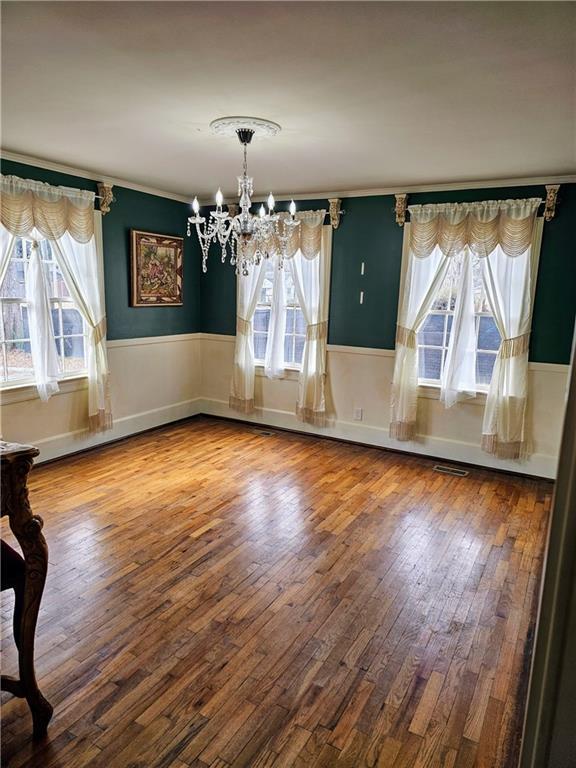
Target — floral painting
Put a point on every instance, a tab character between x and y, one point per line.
156	270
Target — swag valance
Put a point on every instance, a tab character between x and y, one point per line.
307	238
480	226
52	211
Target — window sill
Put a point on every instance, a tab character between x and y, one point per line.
290	373
432	392
19	393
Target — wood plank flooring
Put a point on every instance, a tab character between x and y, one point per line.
219	598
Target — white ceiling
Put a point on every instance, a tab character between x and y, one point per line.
369	94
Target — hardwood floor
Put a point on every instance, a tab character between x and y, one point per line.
217	597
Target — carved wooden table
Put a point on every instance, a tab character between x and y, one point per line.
25	575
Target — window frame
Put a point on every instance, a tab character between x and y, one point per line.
17	390
481	388
430	388
260	362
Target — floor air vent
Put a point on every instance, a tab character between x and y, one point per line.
450	470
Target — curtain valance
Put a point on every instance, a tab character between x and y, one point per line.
480	226
52	211
307	238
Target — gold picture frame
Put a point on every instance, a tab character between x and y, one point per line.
156	269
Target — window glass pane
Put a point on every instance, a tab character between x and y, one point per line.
55	281
260	340
56	321
15	320
266	292
19	360
73	347
288	349
432	332
289	320
300	322
289	287
449	319
429	363
45	250
299	349
488	336
261	319
19	249
3	371
13	286
71	322
60	289
484	367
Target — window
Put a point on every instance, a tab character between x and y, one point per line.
295	335
434	336
67	324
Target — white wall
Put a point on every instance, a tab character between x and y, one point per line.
162	379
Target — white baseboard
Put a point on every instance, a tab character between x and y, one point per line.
538	465
71	442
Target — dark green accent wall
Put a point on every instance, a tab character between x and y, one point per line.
135	210
368	233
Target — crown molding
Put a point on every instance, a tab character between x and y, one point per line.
48	165
342	193
414	188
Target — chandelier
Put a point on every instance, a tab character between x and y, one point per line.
244	237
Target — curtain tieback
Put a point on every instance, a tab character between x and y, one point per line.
405	336
99	331
515	346
243	326
317	331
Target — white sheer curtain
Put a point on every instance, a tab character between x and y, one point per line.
7	241
312	283
247	292
458	379
422	281
492	231
66	217
509	285
45	361
78	263
274	358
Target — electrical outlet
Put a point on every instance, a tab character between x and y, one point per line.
357	414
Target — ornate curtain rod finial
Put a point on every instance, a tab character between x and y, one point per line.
400	209
335	211
106	197
550	202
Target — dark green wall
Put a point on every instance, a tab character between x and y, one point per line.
368	233
135	210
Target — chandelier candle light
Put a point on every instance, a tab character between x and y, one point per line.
246	237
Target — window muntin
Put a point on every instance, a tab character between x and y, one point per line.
434	336
295	333
68	326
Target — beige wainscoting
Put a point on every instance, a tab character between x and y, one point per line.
153	380
158	380
361	378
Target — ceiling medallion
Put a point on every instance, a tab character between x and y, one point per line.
244	237
229	126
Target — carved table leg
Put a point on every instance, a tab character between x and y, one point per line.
27	529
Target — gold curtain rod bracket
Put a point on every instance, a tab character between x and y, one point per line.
550	202
105	196
400	209
335	211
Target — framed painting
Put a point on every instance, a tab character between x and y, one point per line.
156	269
